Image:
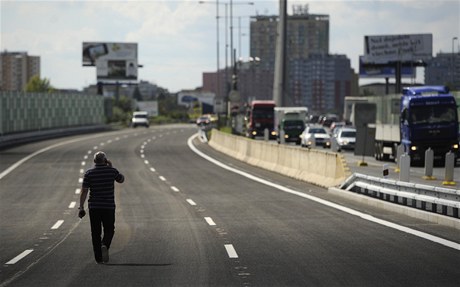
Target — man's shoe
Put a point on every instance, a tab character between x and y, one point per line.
105	254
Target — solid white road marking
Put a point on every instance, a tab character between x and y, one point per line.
210	221
231	251
350	211
174	188
57	224
19	257
18	163
191	202
72	204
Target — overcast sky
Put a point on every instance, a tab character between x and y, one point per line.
177	39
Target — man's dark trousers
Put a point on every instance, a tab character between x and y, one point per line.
101	218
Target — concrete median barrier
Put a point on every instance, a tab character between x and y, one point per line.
323	168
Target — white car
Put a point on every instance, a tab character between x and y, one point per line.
318	133
346	138
140	119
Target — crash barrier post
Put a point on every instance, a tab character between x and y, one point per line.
449	172
399	153
404	166
429	160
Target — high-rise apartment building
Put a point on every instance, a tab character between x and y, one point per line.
16	69
313	77
444	69
307	34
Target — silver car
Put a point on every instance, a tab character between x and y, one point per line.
346	138
318	133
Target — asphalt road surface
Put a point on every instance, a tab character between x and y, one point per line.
189	216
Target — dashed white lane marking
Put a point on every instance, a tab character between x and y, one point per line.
57	224
152	169
77	191
231	251
72	204
210	221
142	155
350	211
82	170
174	188
83	163
146	161
191	202
80	180
19	257
162	178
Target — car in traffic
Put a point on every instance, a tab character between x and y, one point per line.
316	133
203	120
346	138
140	119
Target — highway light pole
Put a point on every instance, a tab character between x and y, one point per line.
217	48
452	65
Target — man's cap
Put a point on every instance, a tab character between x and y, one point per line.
100	157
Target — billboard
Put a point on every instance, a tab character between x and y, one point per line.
113	61
384	70
392	48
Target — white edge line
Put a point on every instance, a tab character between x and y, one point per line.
18	163
362	215
19	257
231	251
57	224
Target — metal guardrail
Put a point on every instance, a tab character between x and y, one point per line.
430	198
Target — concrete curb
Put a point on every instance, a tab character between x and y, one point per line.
322	168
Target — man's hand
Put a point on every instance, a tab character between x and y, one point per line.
81	213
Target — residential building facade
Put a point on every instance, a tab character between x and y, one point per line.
16	69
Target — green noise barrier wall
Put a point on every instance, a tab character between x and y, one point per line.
22	112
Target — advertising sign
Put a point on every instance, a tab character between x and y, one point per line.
113	61
384	71
404	48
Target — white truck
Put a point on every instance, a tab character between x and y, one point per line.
290	123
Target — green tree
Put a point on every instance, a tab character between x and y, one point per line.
37	85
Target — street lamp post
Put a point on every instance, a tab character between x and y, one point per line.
453	63
217	47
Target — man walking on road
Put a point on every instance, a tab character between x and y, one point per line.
99	180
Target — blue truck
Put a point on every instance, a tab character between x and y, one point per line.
423	117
